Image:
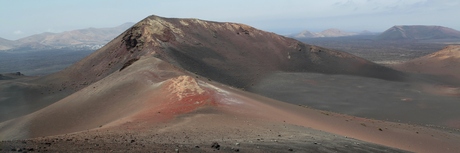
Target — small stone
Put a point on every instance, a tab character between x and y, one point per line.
215	145
197	146
177	150
290	149
237	144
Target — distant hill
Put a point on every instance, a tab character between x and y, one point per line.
418	32
6	44
327	33
90	38
444	62
305	34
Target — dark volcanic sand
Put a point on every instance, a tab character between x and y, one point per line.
367	97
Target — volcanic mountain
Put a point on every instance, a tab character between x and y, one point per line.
419	32
175	84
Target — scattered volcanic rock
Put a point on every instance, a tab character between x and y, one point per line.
215	145
418	32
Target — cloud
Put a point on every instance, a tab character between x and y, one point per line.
18	32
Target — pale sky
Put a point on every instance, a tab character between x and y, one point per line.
21	18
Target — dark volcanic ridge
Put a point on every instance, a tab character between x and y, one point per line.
419	32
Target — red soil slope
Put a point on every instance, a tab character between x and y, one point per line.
150	93
445	62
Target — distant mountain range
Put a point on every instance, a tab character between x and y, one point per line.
90	38
400	32
328	33
419	32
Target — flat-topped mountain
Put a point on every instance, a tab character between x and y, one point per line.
419	32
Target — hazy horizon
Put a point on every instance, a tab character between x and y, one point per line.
29	17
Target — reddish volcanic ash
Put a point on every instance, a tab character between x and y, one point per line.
177	96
